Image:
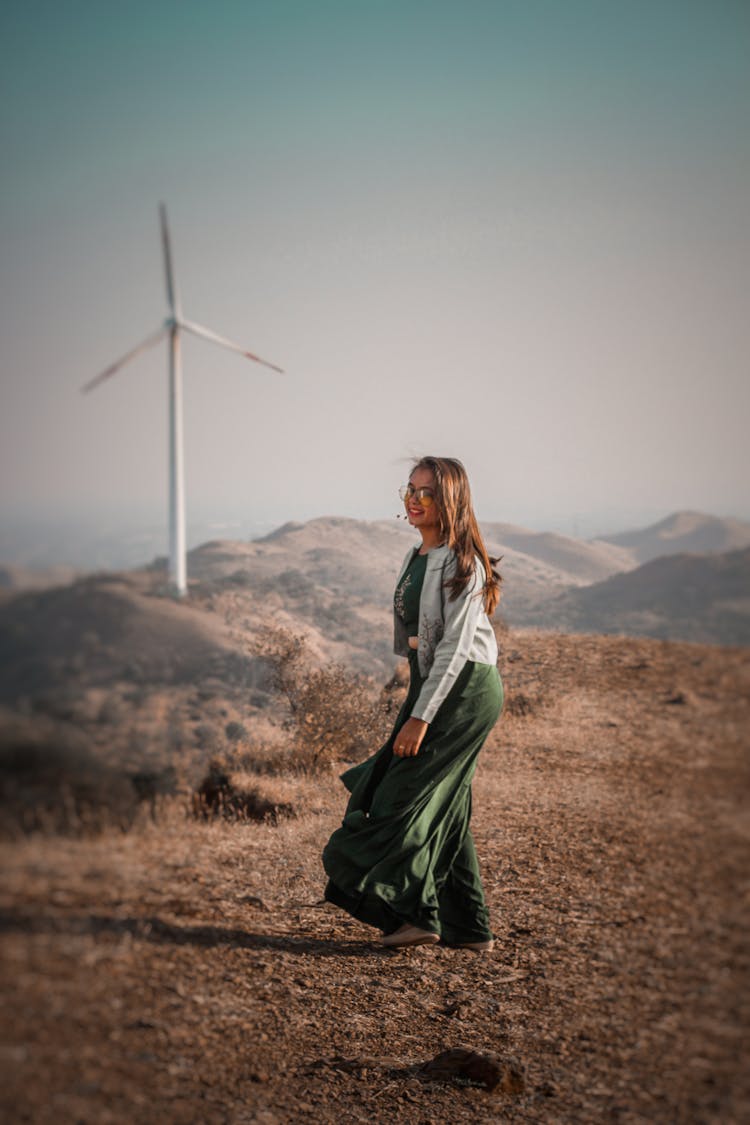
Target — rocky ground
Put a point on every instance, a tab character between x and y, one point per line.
189	972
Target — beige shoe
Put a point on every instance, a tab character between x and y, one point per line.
408	935
477	946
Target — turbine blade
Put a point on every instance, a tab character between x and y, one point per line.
167	249
207	334
114	367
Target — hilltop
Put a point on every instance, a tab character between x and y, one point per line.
683	533
337	574
694	597
578	561
189	970
78	650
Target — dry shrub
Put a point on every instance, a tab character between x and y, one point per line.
53	782
393	693
236	797
232	796
334	714
520	704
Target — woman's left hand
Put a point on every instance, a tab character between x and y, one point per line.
409	738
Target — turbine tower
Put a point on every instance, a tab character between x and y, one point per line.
174	324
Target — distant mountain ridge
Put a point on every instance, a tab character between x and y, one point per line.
334	567
684	532
337	574
583	560
690	597
332	577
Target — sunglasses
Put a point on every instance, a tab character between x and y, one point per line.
423	496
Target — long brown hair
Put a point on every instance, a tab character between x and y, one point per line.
459	527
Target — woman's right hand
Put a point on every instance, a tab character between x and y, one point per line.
409	738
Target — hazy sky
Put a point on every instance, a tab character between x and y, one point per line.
513	232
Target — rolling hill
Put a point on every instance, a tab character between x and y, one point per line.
702	598
338	573
684	532
580	561
332	579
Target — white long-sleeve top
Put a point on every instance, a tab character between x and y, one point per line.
450	632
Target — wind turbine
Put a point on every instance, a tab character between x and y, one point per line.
172	326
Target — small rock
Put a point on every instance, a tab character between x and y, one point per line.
488	1070
253	900
519	704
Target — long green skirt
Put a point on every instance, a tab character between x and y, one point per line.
404	852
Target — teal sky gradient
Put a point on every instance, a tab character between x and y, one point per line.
517	233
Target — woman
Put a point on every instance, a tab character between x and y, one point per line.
404	859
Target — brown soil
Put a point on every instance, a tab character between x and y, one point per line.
188	971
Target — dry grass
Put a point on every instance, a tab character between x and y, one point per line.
334	714
188	971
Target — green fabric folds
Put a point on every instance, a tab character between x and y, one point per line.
404	852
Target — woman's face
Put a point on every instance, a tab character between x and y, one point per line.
421	514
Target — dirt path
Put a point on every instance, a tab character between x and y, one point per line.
189	973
